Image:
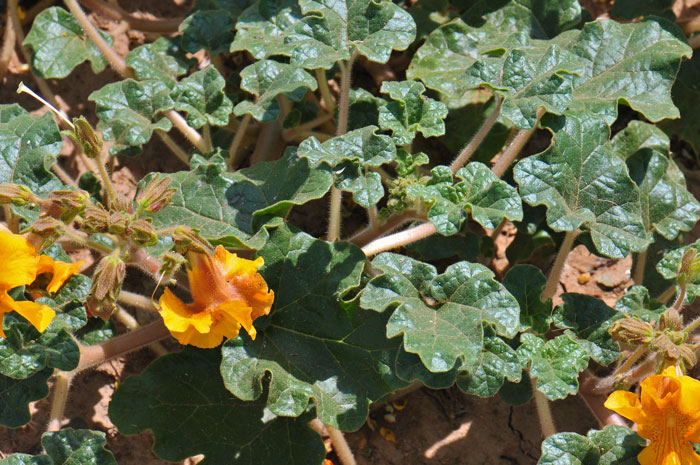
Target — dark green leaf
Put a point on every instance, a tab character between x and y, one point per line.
686	92
163	60
25	459
77	447
410	368
261	28
555	364
440	317
16	394
364	109
29	146
201	95
613	445
525	283
129	112
313	344
182	400
636	302
60	44
410	112
633	9
517	393
210	25
268	80
465	247
584	185
462	124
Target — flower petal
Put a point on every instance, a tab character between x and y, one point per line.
19	260
179	317
62	271
626	404
231	265
197	339
39	316
231	316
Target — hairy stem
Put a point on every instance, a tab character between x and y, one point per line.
8	45
555	273
130	322
60	397
477	139
176	149
206	137
399	239
681	297
233	158
692	326
190	133
74	236
325	91
106	180
63	176
336	199
511	152
595	403
638	275
544	413
135	300
340	445
371	233
666	295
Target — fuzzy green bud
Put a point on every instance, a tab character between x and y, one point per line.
15	194
106	286
156	195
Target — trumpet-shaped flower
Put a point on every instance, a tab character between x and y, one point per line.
228	293
668	415
21	266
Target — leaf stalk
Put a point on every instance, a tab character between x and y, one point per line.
554	275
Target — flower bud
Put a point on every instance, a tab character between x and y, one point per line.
117	223
66	204
188	240
15	194
106	286
95	219
671	319
122	204
143	232
172	262
48	228
86	137
689	267
632	331
156	195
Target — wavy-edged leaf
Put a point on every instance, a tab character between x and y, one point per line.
637	303
29	146
77	447
267	80
16	394
590	321
555	364
633	9
667	206
182	400
26	459
526	283
163	60
210	25
313	345
410	112
261	28
613	445
201	95
333	30
129	112
60	44
632	63
497	362
583	185
363	109
686	93
440	316
479	193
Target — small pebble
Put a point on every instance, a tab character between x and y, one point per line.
583	278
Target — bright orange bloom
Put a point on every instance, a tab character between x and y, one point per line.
228	294
20	266
668	415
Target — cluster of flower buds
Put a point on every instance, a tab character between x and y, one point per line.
155	195
97	219
106	286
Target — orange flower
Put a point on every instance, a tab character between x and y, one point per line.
20	267
228	293
668	415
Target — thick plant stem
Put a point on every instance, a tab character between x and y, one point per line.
63	176
170	143
544	413
507	157
8	45
399	239
120	345
106	180
60	397
108	52
130	322
325	91
555	273
595	403
666	295
190	134
233	159
372	232
133	299
638	276
74	236
341	447
343	110
478	138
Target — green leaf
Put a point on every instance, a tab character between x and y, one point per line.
479	192
440	317
633	63
128	112
613	445
410	368
210	25
668	268
261	28
363	109
636	302
555	363
60	44
590	321
163	60
685	93
16	394
584	185
314	345
430	14
497	362
77	447
351	155
202	96
462	124
667	206
268	80
526	283
226	208
25	459
29	146
182	400
465	247
516	393
410	112
334	30
633	9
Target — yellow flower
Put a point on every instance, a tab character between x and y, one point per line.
228	294
668	414
20	266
